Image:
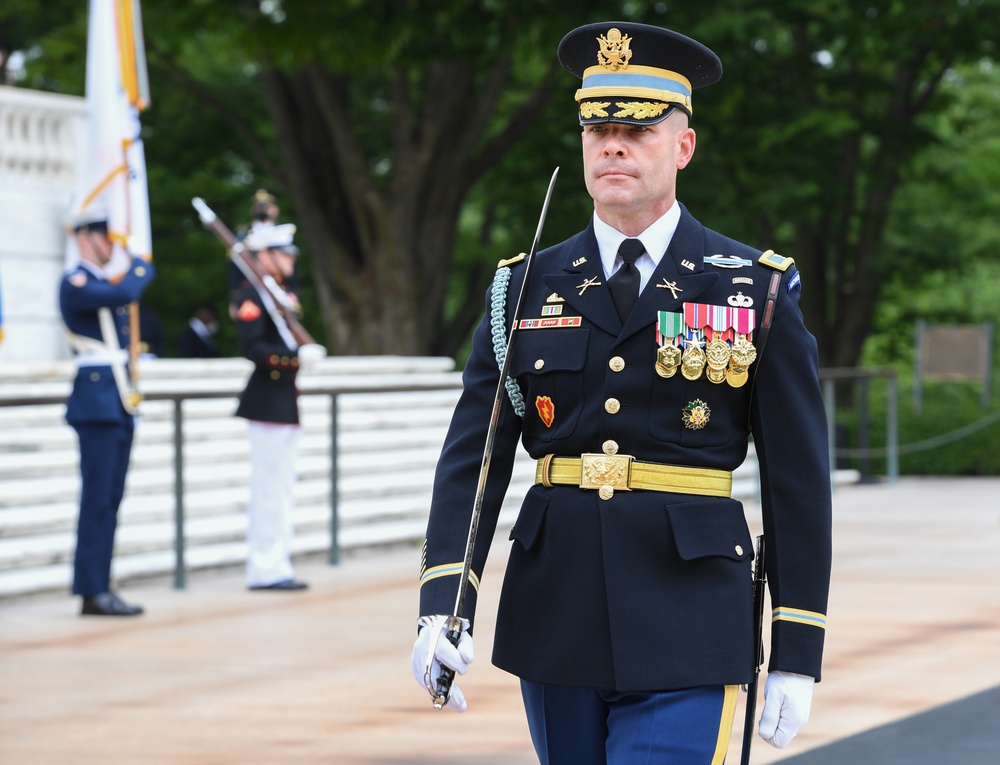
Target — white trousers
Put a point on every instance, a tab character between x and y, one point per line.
274	449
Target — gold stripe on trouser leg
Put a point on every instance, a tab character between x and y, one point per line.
725	724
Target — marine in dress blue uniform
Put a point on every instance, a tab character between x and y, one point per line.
99	408
270	404
626	607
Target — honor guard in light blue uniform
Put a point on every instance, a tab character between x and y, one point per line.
270	404
102	405
649	350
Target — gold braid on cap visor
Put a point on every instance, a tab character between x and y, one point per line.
639	82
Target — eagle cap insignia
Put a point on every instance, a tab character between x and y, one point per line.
614	53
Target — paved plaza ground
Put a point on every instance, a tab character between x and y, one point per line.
216	675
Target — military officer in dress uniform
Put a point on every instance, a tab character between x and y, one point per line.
101	407
649	349
270	404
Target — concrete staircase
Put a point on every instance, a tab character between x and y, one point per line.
388	443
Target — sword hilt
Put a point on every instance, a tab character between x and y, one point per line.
442	686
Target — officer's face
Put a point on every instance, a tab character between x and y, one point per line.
631	170
95	248
280	264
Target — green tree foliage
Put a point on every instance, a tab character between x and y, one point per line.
412	140
824	116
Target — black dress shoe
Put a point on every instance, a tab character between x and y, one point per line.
108	604
284	584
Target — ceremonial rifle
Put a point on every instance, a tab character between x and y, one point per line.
442	690
759	579
251	268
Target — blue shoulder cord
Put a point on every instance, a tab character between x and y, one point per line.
498	325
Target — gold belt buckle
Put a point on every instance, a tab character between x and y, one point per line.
606	473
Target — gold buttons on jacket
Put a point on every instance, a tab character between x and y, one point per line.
540	363
610	447
612	405
739	549
275	374
140	271
617	364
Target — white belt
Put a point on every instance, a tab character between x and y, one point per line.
101	358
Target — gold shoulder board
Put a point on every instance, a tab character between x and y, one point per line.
771	259
512	261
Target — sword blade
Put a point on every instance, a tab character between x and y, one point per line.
442	690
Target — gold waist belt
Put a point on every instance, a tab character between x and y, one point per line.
621	472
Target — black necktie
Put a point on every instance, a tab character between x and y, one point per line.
624	284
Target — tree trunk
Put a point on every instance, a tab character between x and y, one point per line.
382	236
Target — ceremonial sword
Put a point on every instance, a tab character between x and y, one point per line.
758	649
442	689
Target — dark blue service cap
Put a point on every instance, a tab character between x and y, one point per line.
635	73
94	217
97	226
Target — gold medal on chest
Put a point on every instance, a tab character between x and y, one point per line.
668	360
692	362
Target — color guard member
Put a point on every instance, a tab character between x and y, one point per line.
270	404
102	406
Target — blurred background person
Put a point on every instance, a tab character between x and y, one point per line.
101	407
270	404
197	340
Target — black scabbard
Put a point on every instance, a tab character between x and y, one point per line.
759	579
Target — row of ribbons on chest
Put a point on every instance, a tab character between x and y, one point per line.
710	339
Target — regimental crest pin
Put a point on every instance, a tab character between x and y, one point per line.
248	311
696	414
546	410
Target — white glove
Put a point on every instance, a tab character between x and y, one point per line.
310	353
787	700
432	649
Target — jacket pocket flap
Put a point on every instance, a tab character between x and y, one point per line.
529	520
710	527
537	352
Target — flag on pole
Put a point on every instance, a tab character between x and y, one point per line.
113	168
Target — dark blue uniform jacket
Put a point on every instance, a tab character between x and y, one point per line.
646	590
95	397
270	394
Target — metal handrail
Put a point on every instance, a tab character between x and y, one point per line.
829	377
178	397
